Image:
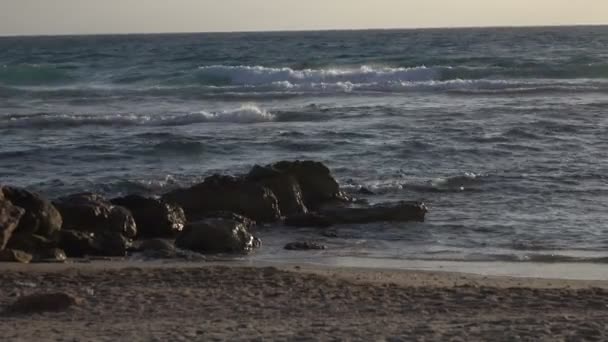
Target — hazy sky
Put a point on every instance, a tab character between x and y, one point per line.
122	16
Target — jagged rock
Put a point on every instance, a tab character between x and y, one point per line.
41	248
308	220
50	255
46	302
304	246
315	180
154	218
14	255
399	211
9	220
217	236
225	193
40	217
79	244
91	212
285	187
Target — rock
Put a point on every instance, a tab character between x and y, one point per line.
30	243
399	211
225	193
157	248
14	255
153	217
217	236
9	220
315	179
45	302
365	191
41	217
304	246
249	223
285	187
79	244
50	255
91	212
308	220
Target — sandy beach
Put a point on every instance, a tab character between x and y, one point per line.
213	302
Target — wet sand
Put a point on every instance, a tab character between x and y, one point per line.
190	302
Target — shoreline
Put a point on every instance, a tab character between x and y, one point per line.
231	301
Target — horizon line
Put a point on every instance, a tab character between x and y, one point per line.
299	30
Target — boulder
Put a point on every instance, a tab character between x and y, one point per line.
308	220
9	220
284	186
40	217
14	255
153	217
315	180
31	244
217	236
79	244
50	255
304	246
226	193
44	302
91	212
399	211
249	223
157	248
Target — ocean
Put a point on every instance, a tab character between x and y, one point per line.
502	132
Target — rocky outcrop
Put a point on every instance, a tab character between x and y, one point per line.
315	179
40	216
399	211
91	212
80	244
304	246
225	193
284	186
157	248
153	217
9	220
217	236
43	302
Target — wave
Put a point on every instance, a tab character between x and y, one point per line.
244	114
33	74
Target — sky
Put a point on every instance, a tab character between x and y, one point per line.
29	17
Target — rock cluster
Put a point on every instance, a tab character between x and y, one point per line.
215	216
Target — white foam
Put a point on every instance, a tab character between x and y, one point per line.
245	114
259	75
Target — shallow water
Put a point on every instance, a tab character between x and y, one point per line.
502	132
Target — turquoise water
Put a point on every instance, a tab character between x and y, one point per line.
501	131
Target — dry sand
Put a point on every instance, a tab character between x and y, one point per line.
150	302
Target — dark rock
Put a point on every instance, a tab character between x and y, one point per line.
47	302
365	191
79	244
304	246
51	255
14	255
285	187
30	243
157	248
308	220
399	211
91	212
249	223
217	236
225	193
9	220
154	217
41	217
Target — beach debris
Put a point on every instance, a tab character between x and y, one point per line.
154	218
43	302
304	246
217	236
